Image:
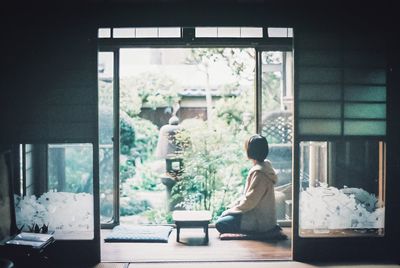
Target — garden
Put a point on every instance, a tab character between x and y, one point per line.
211	143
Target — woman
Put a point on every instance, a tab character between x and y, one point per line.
255	210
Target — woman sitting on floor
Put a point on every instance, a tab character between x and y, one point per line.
254	211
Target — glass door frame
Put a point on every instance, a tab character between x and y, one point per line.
114	46
116	136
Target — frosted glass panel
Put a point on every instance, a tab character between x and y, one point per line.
375	76
319	75
352	127
319	127
206	32
320	109
124	32
67	208
320	92
104	33
251	32
290	32
146	32
279	32
367	111
169	32
320	58
365	93
228	32
341	191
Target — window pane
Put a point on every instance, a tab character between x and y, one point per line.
104	33
277	124
290	32
320	109
70	209
67	208
206	32
352	127
251	32
106	133
367	111
228	32
169	32
279	32
320	92
146	32
341	191
124	32
319	127
365	93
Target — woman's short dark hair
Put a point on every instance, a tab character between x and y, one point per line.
257	148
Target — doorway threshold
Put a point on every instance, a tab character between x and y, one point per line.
192	249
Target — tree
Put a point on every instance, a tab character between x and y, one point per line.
240	61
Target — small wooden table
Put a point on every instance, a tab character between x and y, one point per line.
191	219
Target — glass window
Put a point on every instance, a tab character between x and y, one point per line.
169	32
146	32
277	124
320	127
228	32
124	32
251	32
365	93
323	109
342	79
280	32
67	207
106	134
342	188
104	33
206	32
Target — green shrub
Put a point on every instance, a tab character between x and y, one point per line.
146	138
134	207
213	163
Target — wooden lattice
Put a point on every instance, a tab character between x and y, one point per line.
278	127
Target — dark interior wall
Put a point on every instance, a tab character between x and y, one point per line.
49	79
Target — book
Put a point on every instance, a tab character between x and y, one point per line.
34	240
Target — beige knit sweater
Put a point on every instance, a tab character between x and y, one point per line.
257	204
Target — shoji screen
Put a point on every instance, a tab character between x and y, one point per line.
341	84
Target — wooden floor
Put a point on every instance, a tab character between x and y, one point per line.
259	264
192	249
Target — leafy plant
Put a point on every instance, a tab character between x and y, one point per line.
212	176
138	138
145	139
158	216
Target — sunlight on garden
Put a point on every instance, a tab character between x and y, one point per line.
184	117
